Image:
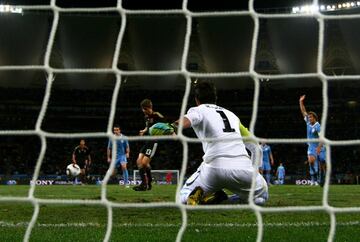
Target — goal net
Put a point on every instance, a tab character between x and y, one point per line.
186	69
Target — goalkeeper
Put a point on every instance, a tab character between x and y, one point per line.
226	164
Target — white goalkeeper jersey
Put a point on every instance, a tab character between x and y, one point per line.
212	121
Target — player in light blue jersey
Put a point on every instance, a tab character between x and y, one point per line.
316	150
268	161
122	153
280	174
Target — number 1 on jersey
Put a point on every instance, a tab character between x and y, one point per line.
226	121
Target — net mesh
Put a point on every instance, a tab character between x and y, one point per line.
183	139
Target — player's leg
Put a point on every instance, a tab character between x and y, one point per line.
143	185
143	162
313	166
268	176
241	184
87	171
114	175
197	186
121	162
83	175
113	178
312	169
266	171
146	164
322	162
125	173
148	169
149	154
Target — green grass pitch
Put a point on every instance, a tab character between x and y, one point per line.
59	222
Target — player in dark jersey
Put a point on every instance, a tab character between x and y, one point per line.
81	157
147	152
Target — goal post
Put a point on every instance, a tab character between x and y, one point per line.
161	177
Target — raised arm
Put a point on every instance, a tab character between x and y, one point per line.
302	106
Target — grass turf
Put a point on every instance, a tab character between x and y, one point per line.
60	222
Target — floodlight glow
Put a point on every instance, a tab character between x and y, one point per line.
295	9
325	8
9	9
304	9
313	8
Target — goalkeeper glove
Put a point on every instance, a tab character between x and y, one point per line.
175	126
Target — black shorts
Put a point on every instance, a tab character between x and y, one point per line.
149	149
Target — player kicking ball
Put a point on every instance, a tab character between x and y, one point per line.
148	150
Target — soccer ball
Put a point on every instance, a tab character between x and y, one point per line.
161	129
73	170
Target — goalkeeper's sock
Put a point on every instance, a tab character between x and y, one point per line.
149	177
126	177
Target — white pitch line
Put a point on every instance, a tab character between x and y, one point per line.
299	224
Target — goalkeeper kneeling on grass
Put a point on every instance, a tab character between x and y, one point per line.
226	163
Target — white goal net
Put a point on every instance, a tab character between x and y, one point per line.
183	71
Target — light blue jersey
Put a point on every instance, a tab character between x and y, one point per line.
121	146
281	172
280	175
313	132
266	157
